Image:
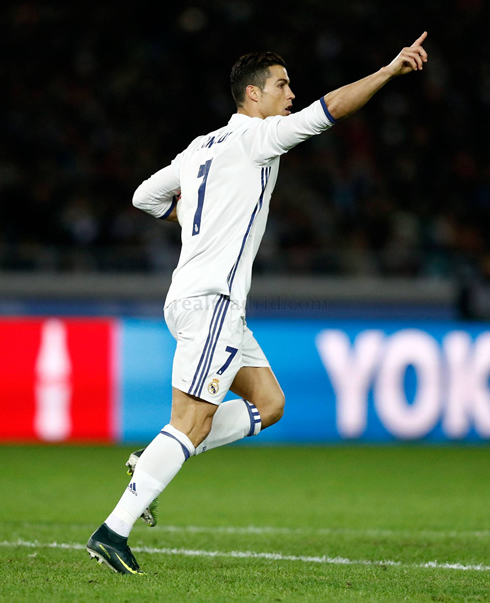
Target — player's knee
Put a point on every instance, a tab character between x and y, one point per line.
276	407
279	405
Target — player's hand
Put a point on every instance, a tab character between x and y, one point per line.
177	210
411	58
174	215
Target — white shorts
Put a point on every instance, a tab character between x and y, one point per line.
213	344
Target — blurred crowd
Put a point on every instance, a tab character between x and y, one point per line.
95	99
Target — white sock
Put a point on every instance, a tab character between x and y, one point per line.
157	466
232	421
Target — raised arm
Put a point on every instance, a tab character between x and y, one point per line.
277	135
348	99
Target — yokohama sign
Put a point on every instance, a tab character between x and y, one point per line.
449	389
57	380
372	381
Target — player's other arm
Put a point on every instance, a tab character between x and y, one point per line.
348	99
172	217
159	194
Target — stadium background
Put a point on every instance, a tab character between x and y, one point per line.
371	296
378	232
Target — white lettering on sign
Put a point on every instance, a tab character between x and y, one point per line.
351	370
452	381
409	347
481	367
468	395
457	347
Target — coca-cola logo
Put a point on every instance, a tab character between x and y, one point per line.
53	389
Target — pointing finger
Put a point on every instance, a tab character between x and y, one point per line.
419	40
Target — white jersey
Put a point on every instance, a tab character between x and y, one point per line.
226	179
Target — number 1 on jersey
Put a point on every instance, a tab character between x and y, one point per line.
203	173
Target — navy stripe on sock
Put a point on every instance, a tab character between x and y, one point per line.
185	450
254	416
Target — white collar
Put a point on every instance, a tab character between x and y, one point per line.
241	117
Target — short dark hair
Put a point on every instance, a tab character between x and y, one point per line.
252	68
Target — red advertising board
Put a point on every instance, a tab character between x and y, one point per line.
58	380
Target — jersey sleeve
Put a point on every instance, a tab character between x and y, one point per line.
158	195
276	135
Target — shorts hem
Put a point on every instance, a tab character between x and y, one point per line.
216	401
257	365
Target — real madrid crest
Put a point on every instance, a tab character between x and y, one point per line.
213	387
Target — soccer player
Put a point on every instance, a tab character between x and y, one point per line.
225	179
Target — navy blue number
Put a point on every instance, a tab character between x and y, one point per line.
232	355
203	173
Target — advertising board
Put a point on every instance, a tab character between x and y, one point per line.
343	380
58	380
369	381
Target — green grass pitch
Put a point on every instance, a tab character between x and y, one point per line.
399	523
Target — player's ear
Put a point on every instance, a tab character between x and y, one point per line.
252	93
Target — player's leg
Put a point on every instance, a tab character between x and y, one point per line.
150	514
260	396
194	324
190	423
261	402
259	386
260	405
257	383
160	462
192	416
162	459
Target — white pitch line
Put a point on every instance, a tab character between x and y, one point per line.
321	531
259	530
269	556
